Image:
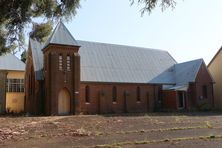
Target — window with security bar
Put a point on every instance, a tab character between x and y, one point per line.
15	85
68	62
60	62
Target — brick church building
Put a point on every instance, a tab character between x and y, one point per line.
67	76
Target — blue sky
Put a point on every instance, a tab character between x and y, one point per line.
192	30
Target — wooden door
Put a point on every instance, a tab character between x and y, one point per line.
64	102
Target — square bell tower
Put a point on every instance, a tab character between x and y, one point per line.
61	72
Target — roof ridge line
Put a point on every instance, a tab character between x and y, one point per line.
131	46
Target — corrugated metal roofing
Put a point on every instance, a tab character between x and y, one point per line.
37	54
179	74
10	62
101	62
62	36
166	77
187	71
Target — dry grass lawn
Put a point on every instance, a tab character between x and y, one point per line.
137	130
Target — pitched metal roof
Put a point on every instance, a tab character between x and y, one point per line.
179	74
166	77
186	72
101	62
37	55
11	62
62	36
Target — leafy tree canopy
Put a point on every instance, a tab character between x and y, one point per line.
149	5
16	15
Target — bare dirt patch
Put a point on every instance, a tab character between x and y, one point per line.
138	130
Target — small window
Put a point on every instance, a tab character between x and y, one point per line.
87	94
138	93
14	85
114	96
68	63
204	91
60	62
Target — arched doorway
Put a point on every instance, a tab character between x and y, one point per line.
64	102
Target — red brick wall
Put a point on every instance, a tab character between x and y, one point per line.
31	87
56	80
169	100
101	98
100	93
195	90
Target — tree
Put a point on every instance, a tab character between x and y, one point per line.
149	5
17	15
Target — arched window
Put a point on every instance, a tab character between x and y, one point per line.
138	93
60	62
68	63
114	96
87	94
